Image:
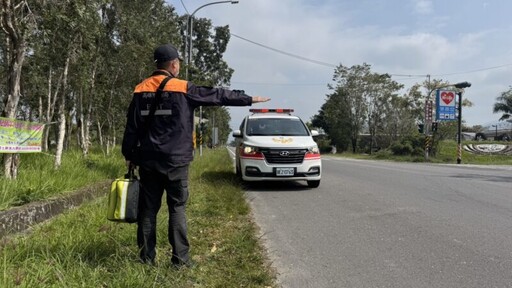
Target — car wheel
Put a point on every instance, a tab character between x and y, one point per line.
480	137
313	183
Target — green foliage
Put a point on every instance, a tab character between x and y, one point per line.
383	154
362	102
217	117
82	249
409	145
504	104
109	44
333	120
38	179
447	153
324	144
400	148
446	130
208	68
421	128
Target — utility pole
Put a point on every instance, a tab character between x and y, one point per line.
190	26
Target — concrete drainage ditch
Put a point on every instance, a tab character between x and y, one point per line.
18	219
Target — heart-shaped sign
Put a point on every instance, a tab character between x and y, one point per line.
447	97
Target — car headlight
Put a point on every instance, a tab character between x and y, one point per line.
252	152
313	153
249	149
314	149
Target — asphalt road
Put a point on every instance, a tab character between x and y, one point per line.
383	224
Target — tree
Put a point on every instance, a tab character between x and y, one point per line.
208	68
17	22
381	89
219	118
361	101
135	28
504	104
75	63
351	87
335	119
407	110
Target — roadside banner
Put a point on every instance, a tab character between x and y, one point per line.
445	105
428	111
18	136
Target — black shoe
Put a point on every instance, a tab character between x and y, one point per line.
148	261
182	265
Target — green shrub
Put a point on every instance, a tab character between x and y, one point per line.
324	144
383	154
412	145
38	179
401	149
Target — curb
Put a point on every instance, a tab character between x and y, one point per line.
21	218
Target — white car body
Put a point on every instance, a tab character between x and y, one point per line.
284	150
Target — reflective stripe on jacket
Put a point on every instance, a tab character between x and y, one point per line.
169	138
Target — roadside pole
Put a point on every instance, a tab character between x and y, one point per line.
459	129
445	111
461	87
428	124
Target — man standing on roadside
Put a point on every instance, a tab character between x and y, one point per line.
160	143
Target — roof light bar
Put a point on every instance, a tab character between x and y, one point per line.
265	110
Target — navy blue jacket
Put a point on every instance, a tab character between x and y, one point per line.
169	140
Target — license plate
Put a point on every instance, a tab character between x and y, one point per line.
285	171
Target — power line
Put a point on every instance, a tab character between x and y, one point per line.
409	77
184	7
391	74
476	70
285	53
307	59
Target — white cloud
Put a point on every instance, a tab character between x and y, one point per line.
423	6
434	43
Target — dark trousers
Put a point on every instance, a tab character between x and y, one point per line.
153	184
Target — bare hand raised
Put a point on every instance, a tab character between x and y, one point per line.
258	99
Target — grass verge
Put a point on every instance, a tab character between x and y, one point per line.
447	153
37	179
82	249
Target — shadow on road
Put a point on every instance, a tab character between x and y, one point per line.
491	178
277	186
264	186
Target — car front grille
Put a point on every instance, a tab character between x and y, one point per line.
284	156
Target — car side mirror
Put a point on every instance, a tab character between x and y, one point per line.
237	134
314	133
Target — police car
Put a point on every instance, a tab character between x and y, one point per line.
274	145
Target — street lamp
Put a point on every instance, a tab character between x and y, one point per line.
189	60
460	86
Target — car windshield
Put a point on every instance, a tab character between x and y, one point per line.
276	127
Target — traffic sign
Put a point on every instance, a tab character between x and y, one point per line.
445	105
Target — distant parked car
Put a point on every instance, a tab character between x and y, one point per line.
497	130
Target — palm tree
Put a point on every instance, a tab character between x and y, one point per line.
504	104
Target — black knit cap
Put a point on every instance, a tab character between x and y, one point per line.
165	53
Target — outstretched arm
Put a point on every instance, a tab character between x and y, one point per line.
259	99
208	96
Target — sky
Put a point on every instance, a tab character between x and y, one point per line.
287	49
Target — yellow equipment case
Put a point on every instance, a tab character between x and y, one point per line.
123	201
